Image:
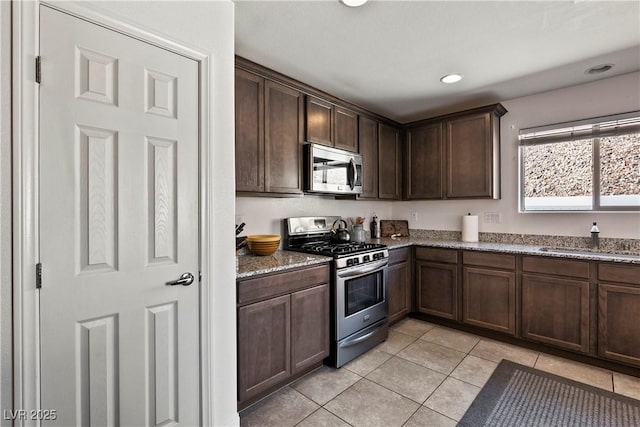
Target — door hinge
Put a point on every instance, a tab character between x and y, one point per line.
199	276
38	275
38	69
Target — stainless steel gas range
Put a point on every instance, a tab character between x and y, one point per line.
359	306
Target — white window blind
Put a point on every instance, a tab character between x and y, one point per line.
585	165
599	127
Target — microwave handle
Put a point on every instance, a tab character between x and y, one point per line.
354	174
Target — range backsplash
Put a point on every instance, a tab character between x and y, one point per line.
612	245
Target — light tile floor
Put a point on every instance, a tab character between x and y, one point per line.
423	375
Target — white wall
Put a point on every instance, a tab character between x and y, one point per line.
609	96
264	215
5	209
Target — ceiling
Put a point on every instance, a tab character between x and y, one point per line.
388	56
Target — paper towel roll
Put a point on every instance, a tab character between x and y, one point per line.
470	228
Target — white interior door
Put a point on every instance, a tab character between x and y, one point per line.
118	219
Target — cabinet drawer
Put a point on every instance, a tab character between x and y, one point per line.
277	284
619	273
485	259
558	267
397	256
438	255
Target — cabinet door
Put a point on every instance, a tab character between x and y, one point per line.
319	121
389	162
283	139
489	299
345	134
437	289
249	102
309	327
424	162
469	155
369	150
556	311
618	325
263	345
399	276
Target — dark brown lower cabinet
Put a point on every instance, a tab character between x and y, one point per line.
283	329
399	284
618	313
309	327
556	311
437	282
489	299
263	345
437	289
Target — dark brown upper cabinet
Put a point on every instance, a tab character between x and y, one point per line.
319	122
249	104
345	129
283	139
424	161
269	136
369	152
455	156
331	125
389	162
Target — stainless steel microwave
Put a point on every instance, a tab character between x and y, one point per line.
331	170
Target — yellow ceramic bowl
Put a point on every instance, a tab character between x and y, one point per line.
262	249
264	238
263	244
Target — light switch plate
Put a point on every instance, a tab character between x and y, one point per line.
493	217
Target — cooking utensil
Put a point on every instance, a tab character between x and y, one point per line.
241	242
341	234
239	228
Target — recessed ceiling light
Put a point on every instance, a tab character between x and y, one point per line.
599	69
451	78
353	3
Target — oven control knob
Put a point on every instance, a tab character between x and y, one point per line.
366	258
350	262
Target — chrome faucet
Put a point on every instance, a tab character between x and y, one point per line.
595	239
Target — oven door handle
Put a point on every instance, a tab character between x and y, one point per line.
360	271
355	341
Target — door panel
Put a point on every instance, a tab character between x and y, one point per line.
309	327
118	219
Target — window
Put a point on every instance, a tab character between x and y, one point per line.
589	165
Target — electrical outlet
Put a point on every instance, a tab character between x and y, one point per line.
414	216
493	217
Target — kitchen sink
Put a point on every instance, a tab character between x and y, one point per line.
582	251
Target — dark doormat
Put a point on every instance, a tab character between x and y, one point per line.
517	395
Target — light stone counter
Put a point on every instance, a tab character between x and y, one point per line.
507	248
253	265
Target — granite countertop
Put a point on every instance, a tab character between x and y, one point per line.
509	248
253	265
